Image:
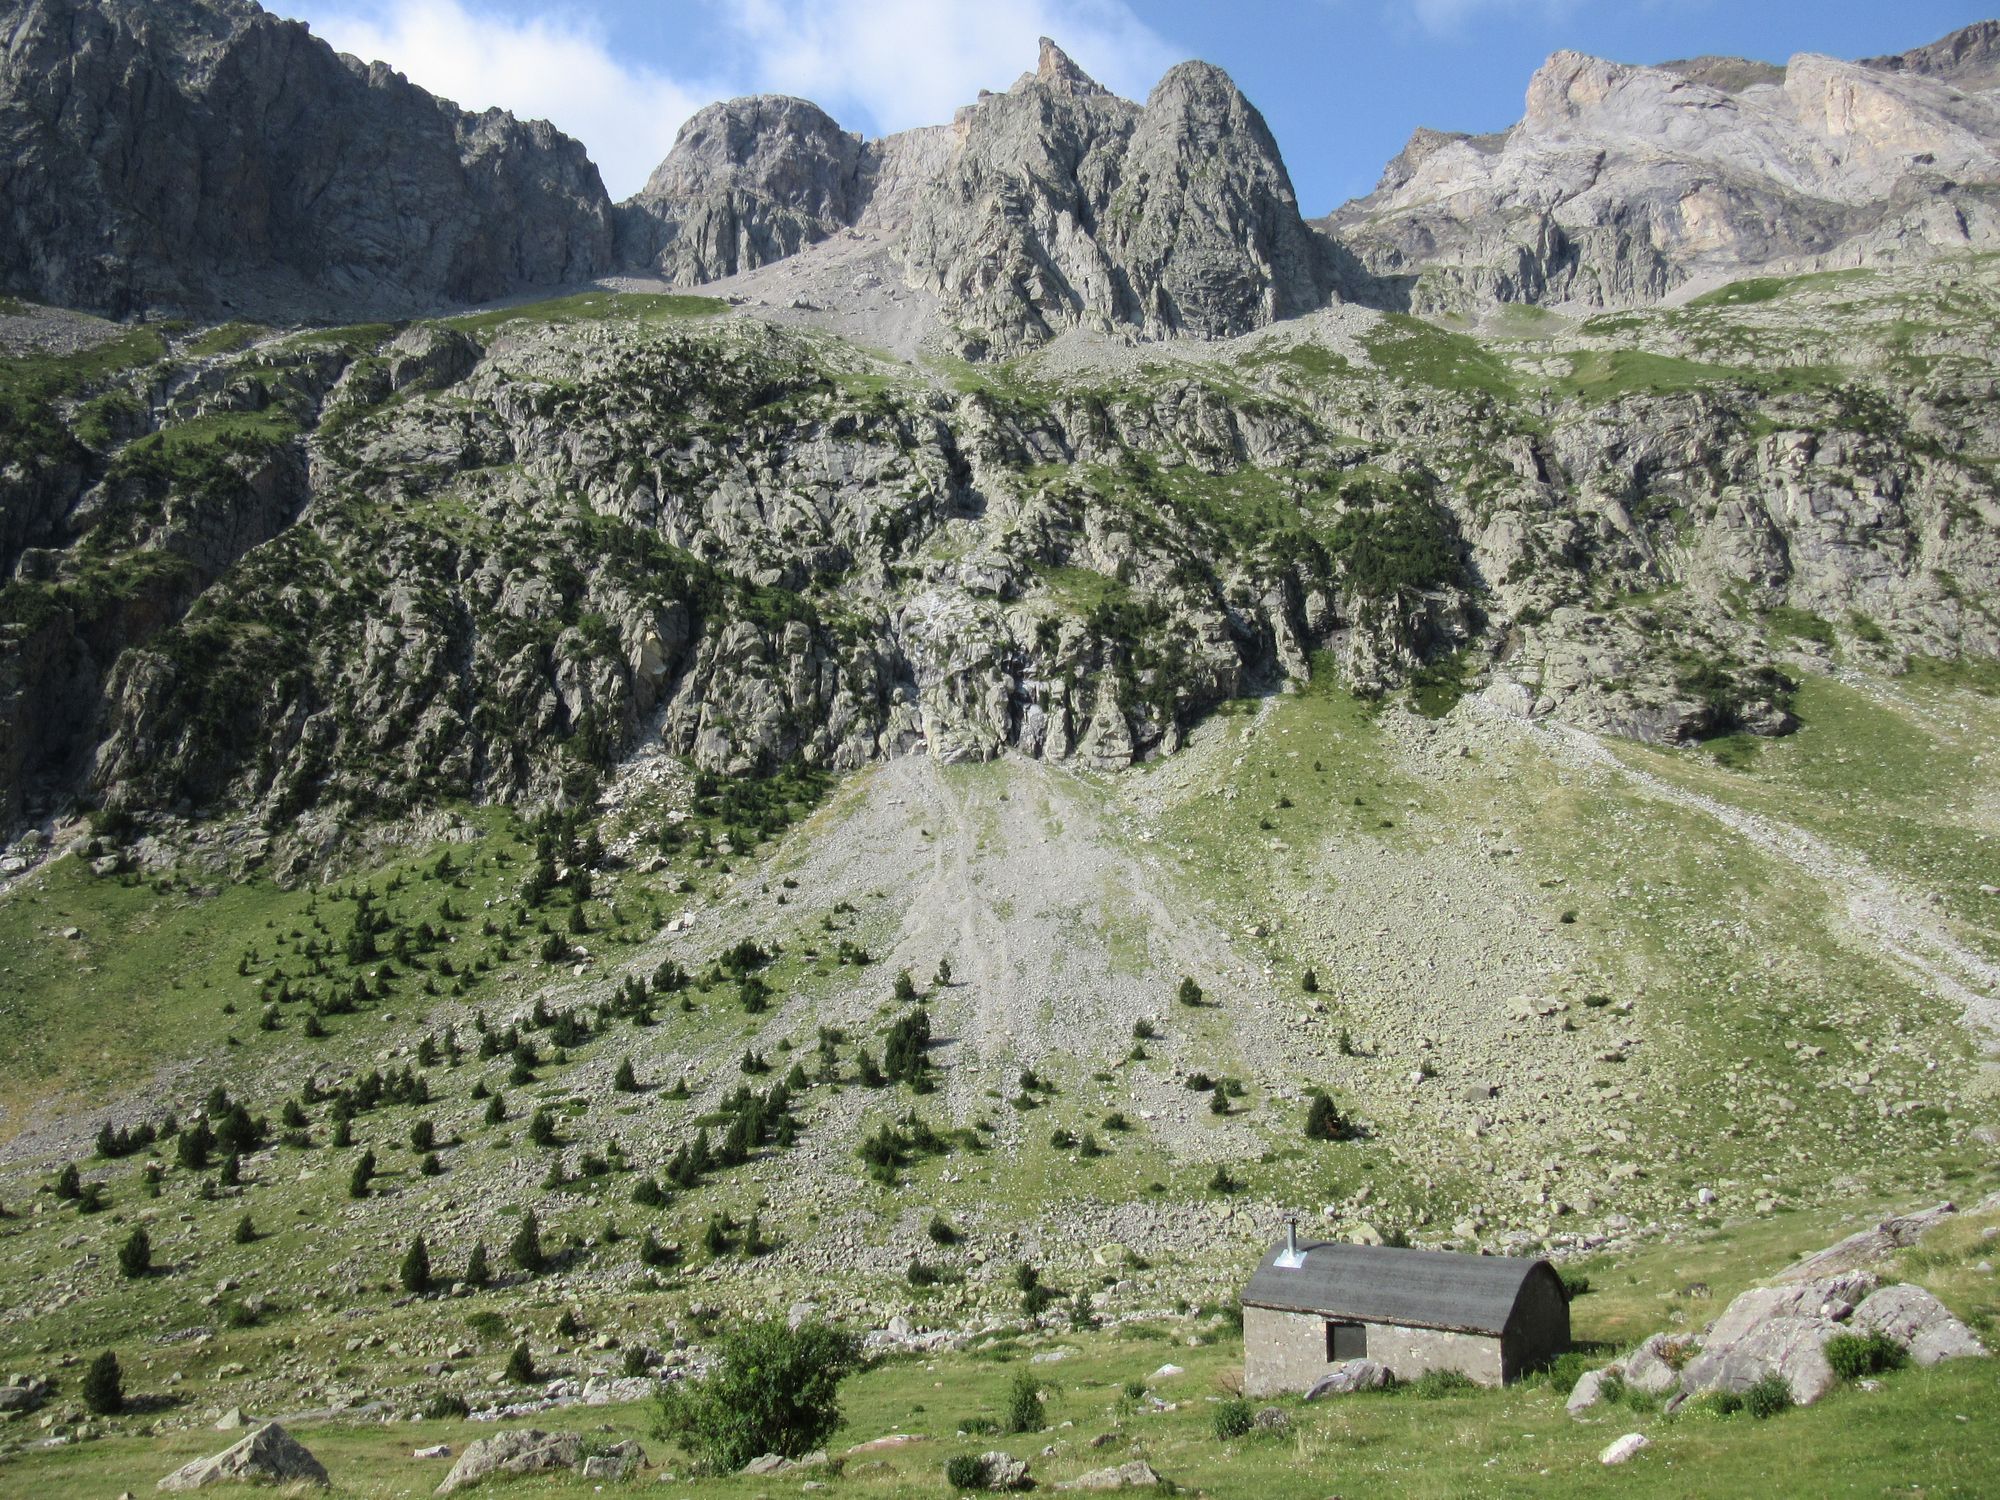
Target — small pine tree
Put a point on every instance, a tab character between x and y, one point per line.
232	1170
526	1250
135	1256
626	1081
363	1174
496	1110
1189	992
69	1183
477	1272
423	1136
104	1385
1218	1103
430	1165
906	987
246	1231
1309	981
521	1365
193	1145
542	1129
416	1273
1324	1121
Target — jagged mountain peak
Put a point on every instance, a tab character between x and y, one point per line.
1057	70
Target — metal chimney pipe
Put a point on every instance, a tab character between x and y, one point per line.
1291	1257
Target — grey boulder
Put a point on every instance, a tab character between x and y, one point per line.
529	1451
1003	1471
1136	1475
1347	1378
269	1454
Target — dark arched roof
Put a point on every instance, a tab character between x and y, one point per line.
1379	1284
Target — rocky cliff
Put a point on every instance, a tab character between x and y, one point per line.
202	155
334	577
1622	183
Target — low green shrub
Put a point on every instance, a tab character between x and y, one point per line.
1024	1404
1233	1418
1434	1385
1768	1397
1854	1355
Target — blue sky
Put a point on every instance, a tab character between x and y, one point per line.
1342	82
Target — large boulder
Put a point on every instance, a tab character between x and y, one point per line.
529	1451
1830	1297
1136	1475
1003	1471
1793	1348
23	1393
1919	1322
1870	1246
268	1455
1777	1330
1347	1378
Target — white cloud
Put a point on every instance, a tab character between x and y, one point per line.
913	62
875	65
1444	17
539	68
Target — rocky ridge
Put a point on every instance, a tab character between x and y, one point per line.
1621	184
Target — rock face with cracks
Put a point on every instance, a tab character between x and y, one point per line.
206	156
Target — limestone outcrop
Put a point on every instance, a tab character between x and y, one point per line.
1621	183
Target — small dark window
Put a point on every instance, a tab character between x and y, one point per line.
1346	1341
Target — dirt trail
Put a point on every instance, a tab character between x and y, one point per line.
1878	910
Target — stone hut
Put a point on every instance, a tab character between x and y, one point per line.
1312	1306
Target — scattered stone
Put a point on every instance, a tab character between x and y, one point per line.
436	1450
1622	1450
